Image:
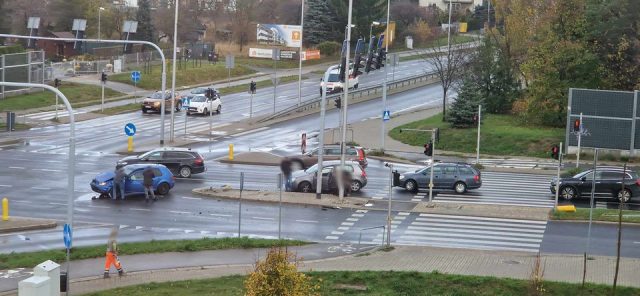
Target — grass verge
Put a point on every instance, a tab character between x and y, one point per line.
500	135
120	109
76	93
383	283
282	64
31	259
19	126
188	76
259	84
610	215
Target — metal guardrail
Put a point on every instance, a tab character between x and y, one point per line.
353	94
384	227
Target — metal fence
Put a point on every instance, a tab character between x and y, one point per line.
609	119
22	67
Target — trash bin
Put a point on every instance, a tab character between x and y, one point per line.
63	281
11	121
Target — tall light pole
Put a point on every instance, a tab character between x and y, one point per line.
173	78
374	23
384	82
99	11
300	53
345	103
449	31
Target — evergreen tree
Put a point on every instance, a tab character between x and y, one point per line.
364	13
320	22
146	30
463	109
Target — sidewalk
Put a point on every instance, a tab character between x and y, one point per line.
86	275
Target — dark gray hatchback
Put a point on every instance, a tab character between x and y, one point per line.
455	176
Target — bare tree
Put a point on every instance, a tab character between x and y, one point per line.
449	64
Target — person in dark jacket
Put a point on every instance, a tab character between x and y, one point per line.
285	167
332	181
148	183
118	183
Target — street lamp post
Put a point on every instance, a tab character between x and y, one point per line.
449	30
173	75
300	53
164	63
345	103
323	107
99	11
384	82
374	23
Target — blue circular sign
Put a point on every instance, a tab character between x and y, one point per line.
135	76
130	129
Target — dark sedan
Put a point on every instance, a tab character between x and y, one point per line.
608	184
456	176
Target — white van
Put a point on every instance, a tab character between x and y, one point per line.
334	85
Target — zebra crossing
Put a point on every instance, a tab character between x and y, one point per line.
49	115
516	163
501	189
468	232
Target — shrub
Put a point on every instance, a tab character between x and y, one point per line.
329	48
11	49
278	275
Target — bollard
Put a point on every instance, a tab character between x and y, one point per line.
130	144
230	151
5	209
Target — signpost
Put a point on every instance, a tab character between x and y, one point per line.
67	236
229	64
135	77
185	107
386	115
130	131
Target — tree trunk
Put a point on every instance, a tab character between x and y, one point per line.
444	105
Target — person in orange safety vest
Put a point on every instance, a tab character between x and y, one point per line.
112	255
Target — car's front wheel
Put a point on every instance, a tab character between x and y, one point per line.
205	111
411	186
305	187
219	109
568	193
460	188
185	172
624	195
163	189
356	186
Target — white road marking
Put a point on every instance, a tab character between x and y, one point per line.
192	198
179	212
343	228
6	185
47	170
99	207
91	173
347	223
85	163
53	161
251	131
331	237
352	219
138	209
17	168
21	201
220	215
262	218
307	221
40	188
58	203
337	232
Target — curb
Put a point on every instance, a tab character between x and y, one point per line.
46	224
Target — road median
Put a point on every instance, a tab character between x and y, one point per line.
20	224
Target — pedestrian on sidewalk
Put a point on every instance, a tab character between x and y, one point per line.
285	167
118	183
148	176
112	254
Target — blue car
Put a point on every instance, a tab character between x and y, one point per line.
162	182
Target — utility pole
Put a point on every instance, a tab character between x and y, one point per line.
323	108
300	53
173	78
345	103
384	82
478	144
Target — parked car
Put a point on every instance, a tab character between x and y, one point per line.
154	102
608	184
306	180
334	85
162	182
199	104
457	176
181	161
331	152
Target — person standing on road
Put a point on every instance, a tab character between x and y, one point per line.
285	167
118	183
148	183
112	254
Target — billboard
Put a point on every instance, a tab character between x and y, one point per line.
267	53
311	54
282	35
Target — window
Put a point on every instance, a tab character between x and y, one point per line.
589	176
136	176
332	151
155	156
157	172
437	170
450	170
465	171
177	155
352	151
614	175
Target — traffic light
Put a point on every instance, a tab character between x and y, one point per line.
343	61
436	134
428	149
56	83
576	125
103	77
209	93
252	87
380	53
338	103
370	53
357	60
555	152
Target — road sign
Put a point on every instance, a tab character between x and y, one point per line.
185	103
135	76
229	61
66	235
386	115
130	129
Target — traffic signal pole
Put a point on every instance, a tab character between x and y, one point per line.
478	144
579	142
384	82
102	106
323	108
558	174
433	154
164	62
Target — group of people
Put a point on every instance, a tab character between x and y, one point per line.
332	178
120	178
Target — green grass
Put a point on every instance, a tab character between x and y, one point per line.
19	126
120	109
383	283
77	94
259	84
189	76
282	64
610	215
500	135
30	259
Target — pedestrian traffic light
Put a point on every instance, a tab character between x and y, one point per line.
56	83
428	149
252	87
370	53
357	60
379	53
343	62
555	152
576	125
103	77
338	103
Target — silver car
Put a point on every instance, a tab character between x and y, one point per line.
456	176
306	180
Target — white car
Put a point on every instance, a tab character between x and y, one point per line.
199	104
334	85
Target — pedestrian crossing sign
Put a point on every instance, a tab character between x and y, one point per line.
386	115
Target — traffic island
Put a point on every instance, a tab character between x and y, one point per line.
253	158
19	224
327	200
492	211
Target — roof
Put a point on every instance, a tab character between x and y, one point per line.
63	35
